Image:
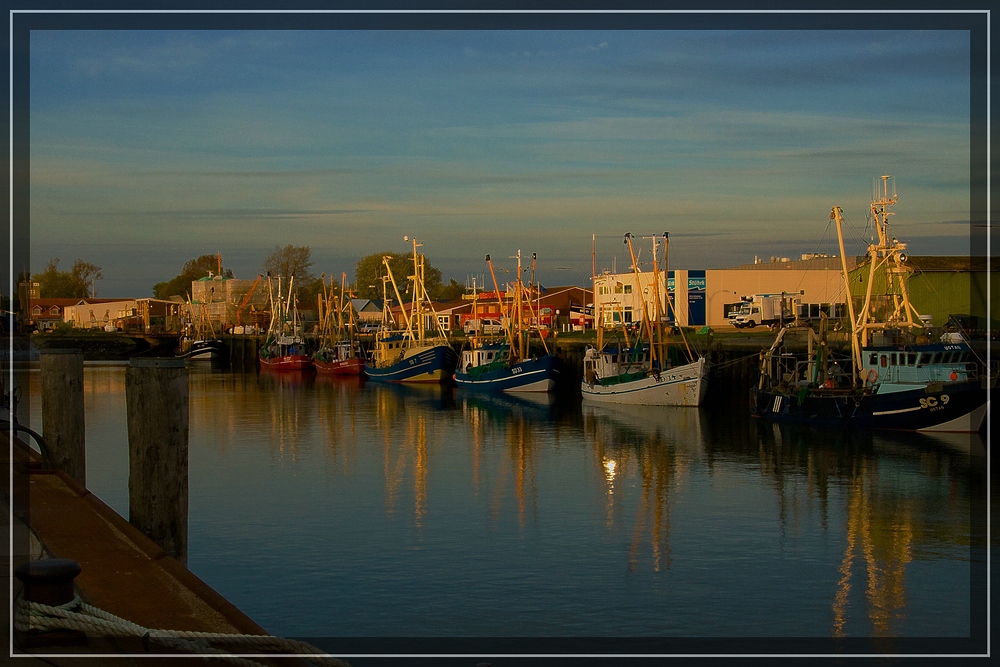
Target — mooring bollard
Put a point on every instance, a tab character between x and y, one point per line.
156	397
48	580
63	411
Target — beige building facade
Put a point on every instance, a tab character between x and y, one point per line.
705	297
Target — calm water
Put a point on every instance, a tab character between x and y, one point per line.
332	508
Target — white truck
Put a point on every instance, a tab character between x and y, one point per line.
763	309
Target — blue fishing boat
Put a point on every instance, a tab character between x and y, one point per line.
896	377
510	365
419	351
492	367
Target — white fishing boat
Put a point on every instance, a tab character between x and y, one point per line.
647	369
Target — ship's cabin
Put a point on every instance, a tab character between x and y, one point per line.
938	362
482	356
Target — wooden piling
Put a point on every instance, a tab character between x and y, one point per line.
156	397
63	411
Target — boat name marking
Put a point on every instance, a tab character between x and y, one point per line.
932	404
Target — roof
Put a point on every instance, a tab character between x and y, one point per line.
70	301
929	263
817	264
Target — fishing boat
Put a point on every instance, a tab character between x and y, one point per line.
199	342
202	350
339	352
894	377
412	353
646	368
509	365
283	348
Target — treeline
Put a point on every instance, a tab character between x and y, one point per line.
282	261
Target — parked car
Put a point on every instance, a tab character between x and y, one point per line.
485	326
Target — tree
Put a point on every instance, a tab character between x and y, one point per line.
370	269
453	290
180	285
290	261
53	283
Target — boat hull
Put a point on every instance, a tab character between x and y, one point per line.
944	407
684	385
353	366
204	351
289	362
530	375
424	364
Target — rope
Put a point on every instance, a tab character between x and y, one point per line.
77	615
738	360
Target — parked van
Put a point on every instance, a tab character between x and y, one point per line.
484	326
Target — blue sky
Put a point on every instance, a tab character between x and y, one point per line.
149	148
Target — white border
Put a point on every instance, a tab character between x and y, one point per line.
527	11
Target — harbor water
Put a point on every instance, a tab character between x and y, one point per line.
334	508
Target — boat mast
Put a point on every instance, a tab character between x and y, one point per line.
519	308
835	214
538	303
395	288
670	305
892	251
647	325
508	329
656	304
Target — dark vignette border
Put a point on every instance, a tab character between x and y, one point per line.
554	647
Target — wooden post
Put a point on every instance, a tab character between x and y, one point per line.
63	411
156	397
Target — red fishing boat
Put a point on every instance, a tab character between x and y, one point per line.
284	349
339	352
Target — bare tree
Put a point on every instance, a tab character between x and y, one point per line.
290	261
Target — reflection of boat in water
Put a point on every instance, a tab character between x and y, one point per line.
643	453
503	407
430	395
676	425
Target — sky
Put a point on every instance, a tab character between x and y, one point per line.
150	148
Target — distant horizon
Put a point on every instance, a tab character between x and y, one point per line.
150	148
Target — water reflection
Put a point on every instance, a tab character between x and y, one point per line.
655	445
718	523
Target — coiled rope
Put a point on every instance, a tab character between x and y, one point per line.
77	615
